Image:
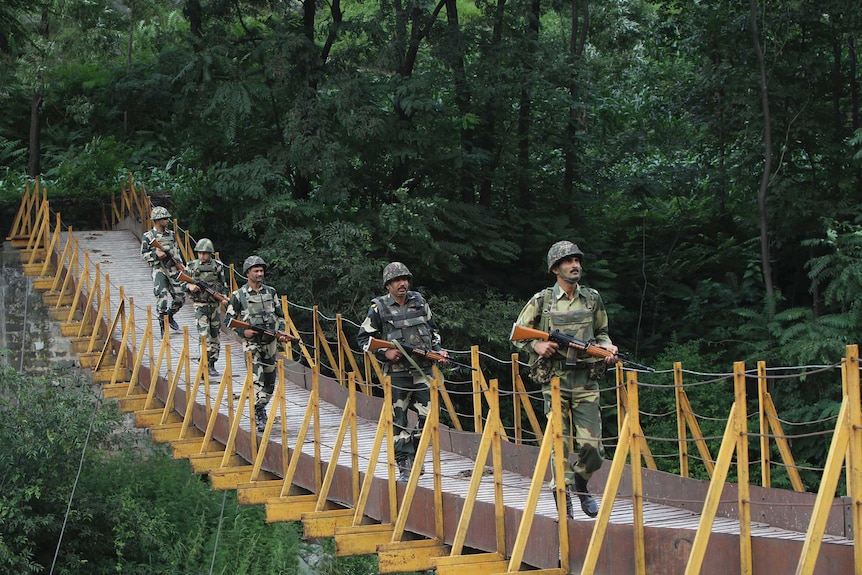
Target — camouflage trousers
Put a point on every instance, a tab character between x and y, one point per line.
262	369
168	292
409	391
579	398
208	320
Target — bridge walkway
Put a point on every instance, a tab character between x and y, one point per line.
442	519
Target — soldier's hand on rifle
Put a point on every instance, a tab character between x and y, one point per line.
160	254
611	359
445	355
392	354
249	333
283	338
194	288
545	348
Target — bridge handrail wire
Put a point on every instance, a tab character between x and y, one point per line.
634	439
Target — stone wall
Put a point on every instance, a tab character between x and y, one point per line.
29	340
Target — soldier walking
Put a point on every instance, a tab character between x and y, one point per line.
577	311
208	271
163	261
259	305
404	316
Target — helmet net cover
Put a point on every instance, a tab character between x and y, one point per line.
252	261
160	213
205	245
561	250
395	270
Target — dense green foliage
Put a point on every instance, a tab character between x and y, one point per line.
77	495
705	155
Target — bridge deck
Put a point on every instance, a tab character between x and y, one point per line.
117	253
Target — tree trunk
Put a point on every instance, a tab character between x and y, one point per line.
854	102
767	158
35	167
35	163
462	101
577	41
408	52
488	115
526	108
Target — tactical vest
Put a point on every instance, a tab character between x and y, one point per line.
260	308
407	324
205	272
577	323
169	244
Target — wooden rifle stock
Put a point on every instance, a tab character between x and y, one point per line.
184	277
239	324
375	344
520	332
157	244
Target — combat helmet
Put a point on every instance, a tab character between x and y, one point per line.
160	213
562	250
395	270
205	245
252	261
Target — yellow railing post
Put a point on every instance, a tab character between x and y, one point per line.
637	479
742	471
765	458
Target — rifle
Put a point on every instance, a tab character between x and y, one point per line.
520	332
184	277
157	244
239	324
375	344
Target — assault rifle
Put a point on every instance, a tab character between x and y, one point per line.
375	344
184	277
157	244
520	332
279	335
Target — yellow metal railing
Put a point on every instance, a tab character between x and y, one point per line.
154	399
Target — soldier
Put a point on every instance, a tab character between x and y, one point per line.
577	311
403	315
258	305
207	270
163	261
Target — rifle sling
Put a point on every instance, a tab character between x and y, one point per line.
409	356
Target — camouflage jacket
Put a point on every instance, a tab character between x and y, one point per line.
211	273
411	323
169	243
258	307
582	316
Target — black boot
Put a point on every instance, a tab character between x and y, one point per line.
404	466
570	513
260	416
213	371
162	325
588	504
173	323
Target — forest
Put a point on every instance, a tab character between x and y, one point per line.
706	155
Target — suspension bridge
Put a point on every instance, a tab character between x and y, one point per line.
478	500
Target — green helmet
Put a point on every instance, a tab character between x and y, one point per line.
395	270
160	213
252	261
562	250
204	245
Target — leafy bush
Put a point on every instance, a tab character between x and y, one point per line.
94	170
132	510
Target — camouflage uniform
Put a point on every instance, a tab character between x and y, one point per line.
412	324
206	305
167	289
260	308
585	318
